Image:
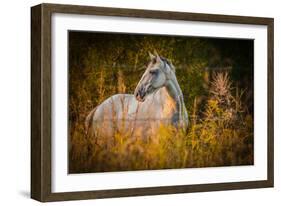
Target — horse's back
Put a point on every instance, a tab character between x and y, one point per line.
118	106
107	117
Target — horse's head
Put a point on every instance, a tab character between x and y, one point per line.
156	75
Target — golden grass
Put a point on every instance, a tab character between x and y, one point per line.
221	136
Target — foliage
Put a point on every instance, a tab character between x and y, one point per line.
221	119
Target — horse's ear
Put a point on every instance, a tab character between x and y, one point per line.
151	56
158	58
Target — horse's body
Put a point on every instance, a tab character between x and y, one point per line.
157	100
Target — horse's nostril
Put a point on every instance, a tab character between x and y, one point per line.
141	95
137	95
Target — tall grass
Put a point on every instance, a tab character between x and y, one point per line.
221	135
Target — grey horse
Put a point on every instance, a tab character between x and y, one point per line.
158	99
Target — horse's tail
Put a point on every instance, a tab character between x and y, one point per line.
89	121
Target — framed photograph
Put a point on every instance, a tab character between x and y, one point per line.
132	102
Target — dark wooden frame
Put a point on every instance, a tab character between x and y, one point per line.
41	101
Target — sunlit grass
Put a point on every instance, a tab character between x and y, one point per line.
222	135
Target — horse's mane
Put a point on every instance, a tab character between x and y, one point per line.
168	62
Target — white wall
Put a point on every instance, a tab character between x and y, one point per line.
15	101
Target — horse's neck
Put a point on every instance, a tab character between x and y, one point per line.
174	91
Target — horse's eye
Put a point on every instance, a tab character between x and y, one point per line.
153	71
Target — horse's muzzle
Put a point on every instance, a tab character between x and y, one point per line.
140	94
